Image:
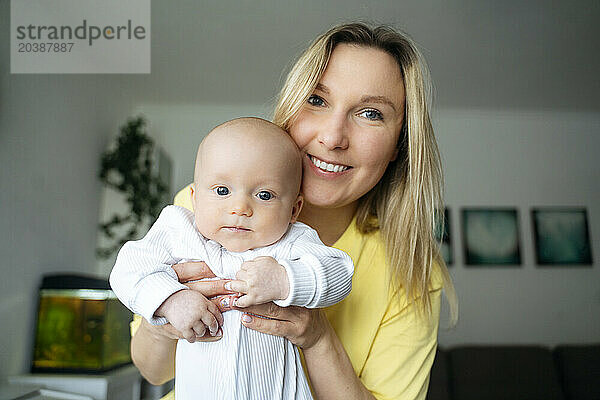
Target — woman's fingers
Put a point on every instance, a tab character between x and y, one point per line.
225	302
210	288
272	310
270	318
302	326
270	326
192	270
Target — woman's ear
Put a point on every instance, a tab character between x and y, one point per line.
296	208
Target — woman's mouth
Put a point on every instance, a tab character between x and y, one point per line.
327	166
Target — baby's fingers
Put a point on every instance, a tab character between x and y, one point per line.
214	310
211	322
237	286
189	335
246	265
199	329
208	338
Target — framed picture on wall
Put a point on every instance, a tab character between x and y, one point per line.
442	234
561	236
491	237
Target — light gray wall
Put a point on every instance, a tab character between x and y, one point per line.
53	129
523	160
482	53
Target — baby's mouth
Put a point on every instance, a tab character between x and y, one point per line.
326	166
239	229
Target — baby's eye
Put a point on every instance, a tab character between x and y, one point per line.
315	100
264	195
221	190
372	114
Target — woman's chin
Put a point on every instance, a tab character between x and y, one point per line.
328	201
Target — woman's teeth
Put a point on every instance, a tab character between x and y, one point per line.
328	167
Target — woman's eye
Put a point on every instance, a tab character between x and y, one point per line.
372	114
316	101
221	191
264	195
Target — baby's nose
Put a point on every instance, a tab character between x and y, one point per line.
241	207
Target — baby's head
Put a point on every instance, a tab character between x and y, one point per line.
246	184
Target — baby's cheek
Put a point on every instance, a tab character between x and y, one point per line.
279	228
204	226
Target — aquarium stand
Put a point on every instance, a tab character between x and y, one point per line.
119	384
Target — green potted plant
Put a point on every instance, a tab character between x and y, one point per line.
128	169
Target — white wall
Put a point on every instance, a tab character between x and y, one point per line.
523	160
53	129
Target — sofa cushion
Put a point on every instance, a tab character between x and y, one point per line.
579	371
503	372
438	381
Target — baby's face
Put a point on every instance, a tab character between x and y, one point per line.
245	194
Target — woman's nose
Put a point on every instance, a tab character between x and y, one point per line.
333	133
241	207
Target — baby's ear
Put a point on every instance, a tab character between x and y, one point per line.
193	196
296	208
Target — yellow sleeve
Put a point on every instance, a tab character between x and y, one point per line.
182	199
403	351
135	324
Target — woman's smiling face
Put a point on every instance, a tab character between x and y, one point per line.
348	129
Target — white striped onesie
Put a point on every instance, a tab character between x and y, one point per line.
244	364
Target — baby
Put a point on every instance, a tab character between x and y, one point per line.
246	200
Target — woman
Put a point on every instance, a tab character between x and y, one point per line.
355	103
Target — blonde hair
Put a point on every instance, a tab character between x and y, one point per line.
406	202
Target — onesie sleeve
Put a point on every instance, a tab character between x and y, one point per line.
142	277
319	276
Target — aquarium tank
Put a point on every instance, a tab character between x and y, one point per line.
81	326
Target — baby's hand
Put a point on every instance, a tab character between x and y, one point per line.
190	313
261	280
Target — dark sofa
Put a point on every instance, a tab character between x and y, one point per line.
516	372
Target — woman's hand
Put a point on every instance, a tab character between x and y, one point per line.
303	327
